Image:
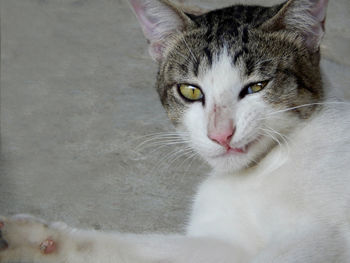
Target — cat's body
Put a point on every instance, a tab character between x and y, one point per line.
245	91
280	198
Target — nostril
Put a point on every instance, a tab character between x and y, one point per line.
214	140
222	138
228	139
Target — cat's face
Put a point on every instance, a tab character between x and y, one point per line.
227	78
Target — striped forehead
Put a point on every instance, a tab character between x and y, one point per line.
222	80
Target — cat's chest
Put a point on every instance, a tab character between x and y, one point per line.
306	188
246	211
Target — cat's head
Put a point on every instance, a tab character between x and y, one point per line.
227	77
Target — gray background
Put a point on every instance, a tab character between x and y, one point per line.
77	95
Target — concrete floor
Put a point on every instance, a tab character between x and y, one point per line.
77	95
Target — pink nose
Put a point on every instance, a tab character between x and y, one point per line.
223	137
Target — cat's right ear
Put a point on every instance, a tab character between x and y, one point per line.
304	17
159	20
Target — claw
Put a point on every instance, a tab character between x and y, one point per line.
48	246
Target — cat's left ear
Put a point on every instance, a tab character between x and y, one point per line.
306	17
159	20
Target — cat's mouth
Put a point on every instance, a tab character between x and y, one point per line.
230	150
237	150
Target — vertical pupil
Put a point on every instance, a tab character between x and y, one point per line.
190	92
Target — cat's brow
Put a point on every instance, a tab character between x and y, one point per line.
208	53
245	37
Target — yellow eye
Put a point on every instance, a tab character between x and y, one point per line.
256	87
190	92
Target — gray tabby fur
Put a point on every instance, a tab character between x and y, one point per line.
279	53
266	200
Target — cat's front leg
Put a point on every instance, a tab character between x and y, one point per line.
313	244
24	238
27	239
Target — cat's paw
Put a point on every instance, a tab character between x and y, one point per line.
26	237
3	243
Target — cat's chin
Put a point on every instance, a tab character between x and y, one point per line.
231	150
236	159
229	162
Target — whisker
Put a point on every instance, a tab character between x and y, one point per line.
194	156
155	135
269	118
182	154
165	145
163	137
283	137
263	61
170	155
307	105
159	139
192	153
268	134
189	49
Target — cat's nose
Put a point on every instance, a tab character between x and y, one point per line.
223	137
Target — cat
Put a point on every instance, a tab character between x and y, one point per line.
243	85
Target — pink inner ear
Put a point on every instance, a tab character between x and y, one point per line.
318	11
147	25
156	50
158	20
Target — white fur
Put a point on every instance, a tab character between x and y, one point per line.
293	206
252	116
